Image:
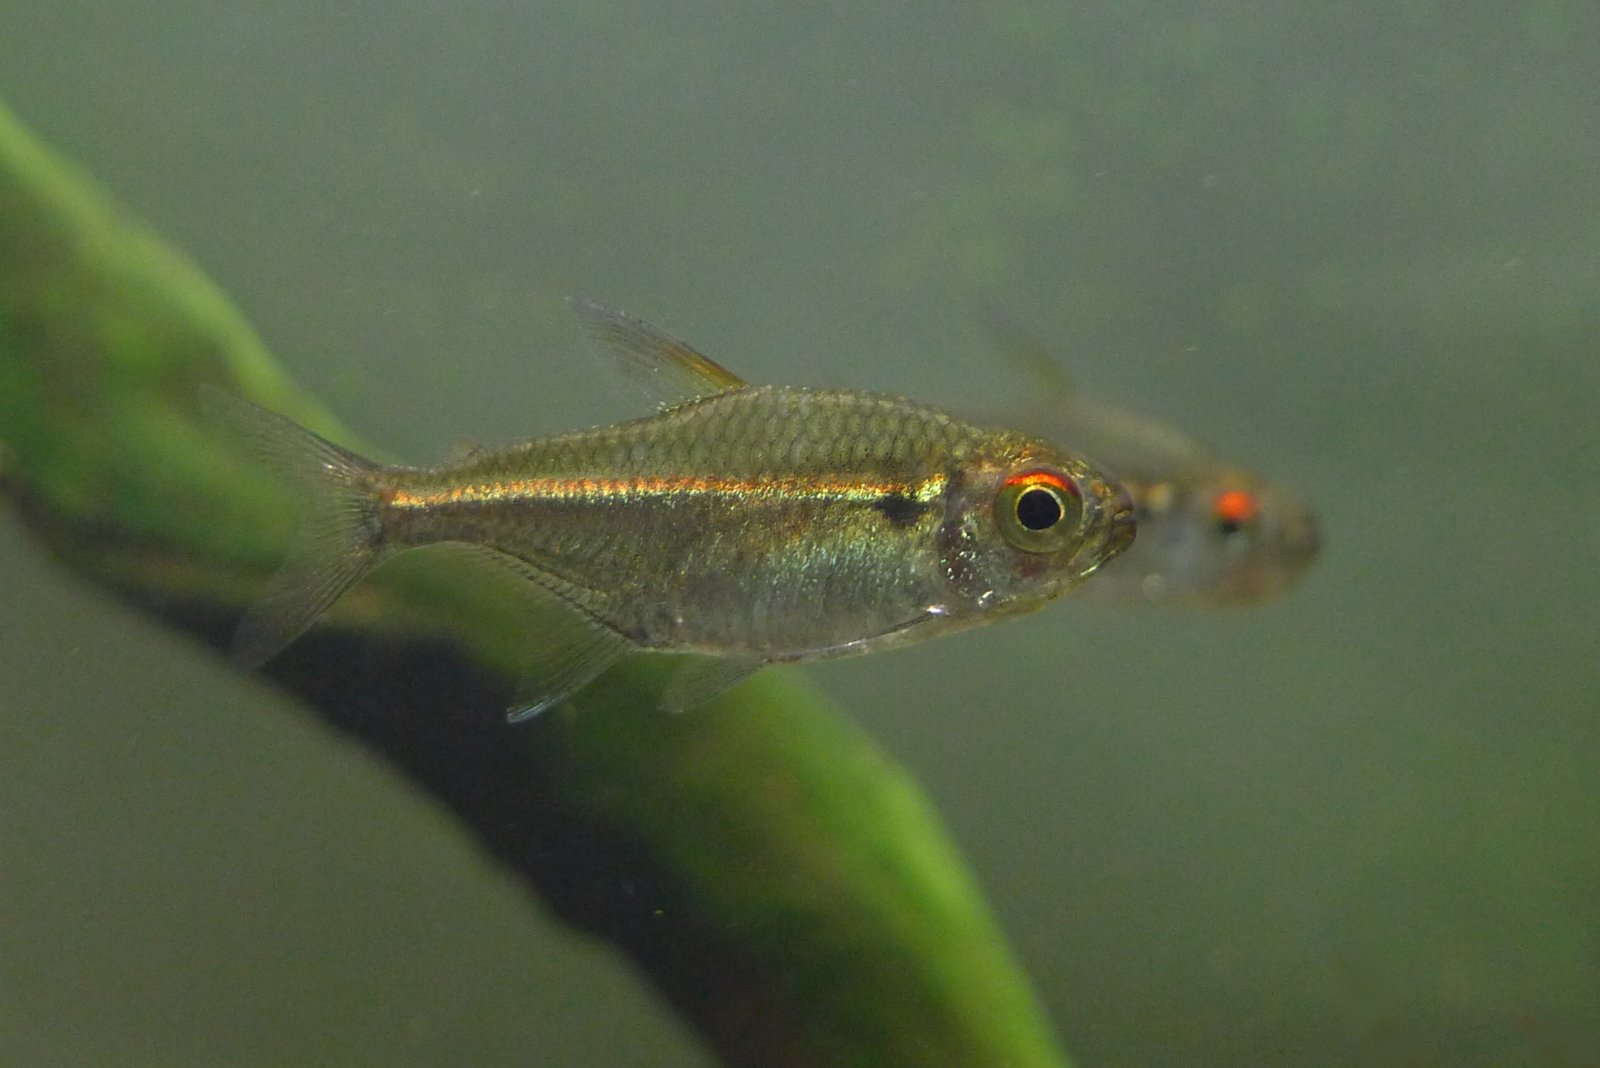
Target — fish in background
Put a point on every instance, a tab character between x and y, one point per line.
1211	532
747	524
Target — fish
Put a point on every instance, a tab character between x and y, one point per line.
1212	533
739	525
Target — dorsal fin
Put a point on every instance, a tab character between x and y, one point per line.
670	371
1023	350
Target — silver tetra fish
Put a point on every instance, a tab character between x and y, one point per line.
1211	533
747	524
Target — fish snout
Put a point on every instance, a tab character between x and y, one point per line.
1124	528
1113	527
1303	535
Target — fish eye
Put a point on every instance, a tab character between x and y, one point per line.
1039	511
1234	510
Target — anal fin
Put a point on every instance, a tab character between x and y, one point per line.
564	662
567	646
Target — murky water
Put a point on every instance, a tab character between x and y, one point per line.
1355	249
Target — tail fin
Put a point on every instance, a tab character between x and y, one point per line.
340	538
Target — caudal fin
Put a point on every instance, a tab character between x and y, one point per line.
340	538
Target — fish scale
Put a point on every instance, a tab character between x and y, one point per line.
693	504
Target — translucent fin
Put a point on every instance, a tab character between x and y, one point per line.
462	450
701	678
339	541
889	636
566	660
670	371
1024	351
567	647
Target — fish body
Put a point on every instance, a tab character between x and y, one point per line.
1212	533
749	524
773	522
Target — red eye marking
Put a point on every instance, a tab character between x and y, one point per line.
1044	478
1236	508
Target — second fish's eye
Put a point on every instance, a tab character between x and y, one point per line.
1234	510
1039	511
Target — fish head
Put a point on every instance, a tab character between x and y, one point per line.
1229	539
1028	522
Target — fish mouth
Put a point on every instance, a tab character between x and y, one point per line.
1124	528
1116	532
1304	537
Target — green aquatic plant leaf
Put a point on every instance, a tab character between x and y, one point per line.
783	883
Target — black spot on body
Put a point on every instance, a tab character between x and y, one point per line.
900	510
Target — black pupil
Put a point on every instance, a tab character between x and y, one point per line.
1038	509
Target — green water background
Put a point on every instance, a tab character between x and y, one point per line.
1358	249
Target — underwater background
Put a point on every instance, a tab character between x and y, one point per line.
1356	249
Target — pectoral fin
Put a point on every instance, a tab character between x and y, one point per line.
700	678
892	635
